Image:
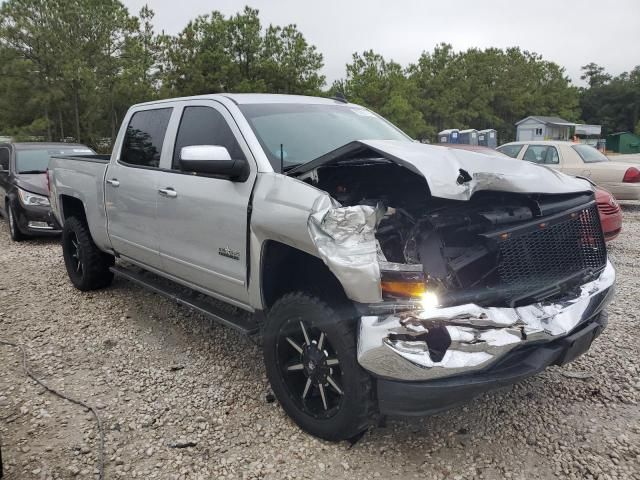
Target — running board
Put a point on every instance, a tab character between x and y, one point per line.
242	323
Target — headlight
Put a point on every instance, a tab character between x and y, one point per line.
32	199
429	300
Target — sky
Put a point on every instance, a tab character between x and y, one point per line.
570	33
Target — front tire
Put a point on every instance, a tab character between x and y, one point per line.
310	358
14	230
87	265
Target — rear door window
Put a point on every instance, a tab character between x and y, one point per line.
542	154
144	137
588	154
510	150
204	126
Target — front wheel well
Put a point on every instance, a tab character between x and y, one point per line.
72	207
285	269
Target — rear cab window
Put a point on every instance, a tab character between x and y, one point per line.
142	146
201	125
542	154
588	154
510	150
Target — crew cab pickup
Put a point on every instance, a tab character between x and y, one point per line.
381	276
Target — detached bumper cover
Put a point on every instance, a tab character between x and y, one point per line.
427	398
423	345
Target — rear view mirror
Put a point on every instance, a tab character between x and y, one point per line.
214	160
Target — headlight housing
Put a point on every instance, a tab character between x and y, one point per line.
29	199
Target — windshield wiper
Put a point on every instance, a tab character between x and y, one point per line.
32	171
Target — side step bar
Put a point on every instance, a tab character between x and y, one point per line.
242	323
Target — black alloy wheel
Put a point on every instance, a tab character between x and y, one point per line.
87	266
310	355
310	368
76	260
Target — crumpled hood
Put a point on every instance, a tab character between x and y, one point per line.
446	169
33	182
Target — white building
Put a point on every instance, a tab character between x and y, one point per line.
543	128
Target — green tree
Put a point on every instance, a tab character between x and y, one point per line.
382	85
289	63
490	88
67	54
595	75
613	102
218	54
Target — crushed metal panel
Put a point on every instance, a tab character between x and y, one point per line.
345	239
397	346
442	168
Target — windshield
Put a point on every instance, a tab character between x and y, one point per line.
308	131
589	154
36	160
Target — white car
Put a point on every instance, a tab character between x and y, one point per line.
620	178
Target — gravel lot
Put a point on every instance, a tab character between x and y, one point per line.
159	374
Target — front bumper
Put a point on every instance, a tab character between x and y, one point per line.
36	220
427	398
424	345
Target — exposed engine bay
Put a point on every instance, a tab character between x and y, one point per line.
496	249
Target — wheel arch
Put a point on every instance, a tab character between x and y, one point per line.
285	269
72	207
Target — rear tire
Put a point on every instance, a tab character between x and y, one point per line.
14	230
310	355
87	265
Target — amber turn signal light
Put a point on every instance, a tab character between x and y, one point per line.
403	289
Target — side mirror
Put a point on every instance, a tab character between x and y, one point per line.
214	160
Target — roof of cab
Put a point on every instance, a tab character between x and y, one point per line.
254	98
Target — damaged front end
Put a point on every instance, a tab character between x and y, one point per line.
454	269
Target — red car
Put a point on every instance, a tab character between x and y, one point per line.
608	207
610	214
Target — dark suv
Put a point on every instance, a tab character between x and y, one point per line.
24	196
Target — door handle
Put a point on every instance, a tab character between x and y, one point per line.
168	192
113	182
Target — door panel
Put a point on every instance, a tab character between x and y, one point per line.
202	220
525	135
131	188
203	231
131	211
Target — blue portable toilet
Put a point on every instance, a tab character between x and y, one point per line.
488	138
449	136
468	136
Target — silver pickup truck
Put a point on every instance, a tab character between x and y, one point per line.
382	276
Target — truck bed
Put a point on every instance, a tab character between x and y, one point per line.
81	177
97	158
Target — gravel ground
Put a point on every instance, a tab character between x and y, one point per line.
161	375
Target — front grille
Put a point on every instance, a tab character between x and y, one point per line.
542	258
